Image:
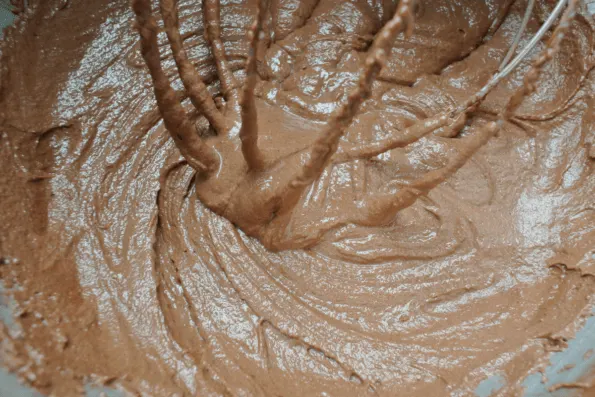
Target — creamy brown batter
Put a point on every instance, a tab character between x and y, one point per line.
126	269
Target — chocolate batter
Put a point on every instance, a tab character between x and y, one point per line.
139	263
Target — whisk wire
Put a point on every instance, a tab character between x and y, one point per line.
519	35
510	66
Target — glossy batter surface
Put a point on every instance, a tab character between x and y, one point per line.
122	276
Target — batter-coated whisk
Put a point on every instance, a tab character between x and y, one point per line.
271	210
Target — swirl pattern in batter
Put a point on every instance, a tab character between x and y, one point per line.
122	276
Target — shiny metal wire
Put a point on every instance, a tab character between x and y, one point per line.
508	65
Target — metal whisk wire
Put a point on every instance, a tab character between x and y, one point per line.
519	35
507	65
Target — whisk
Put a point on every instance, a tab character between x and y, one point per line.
509	63
272	209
